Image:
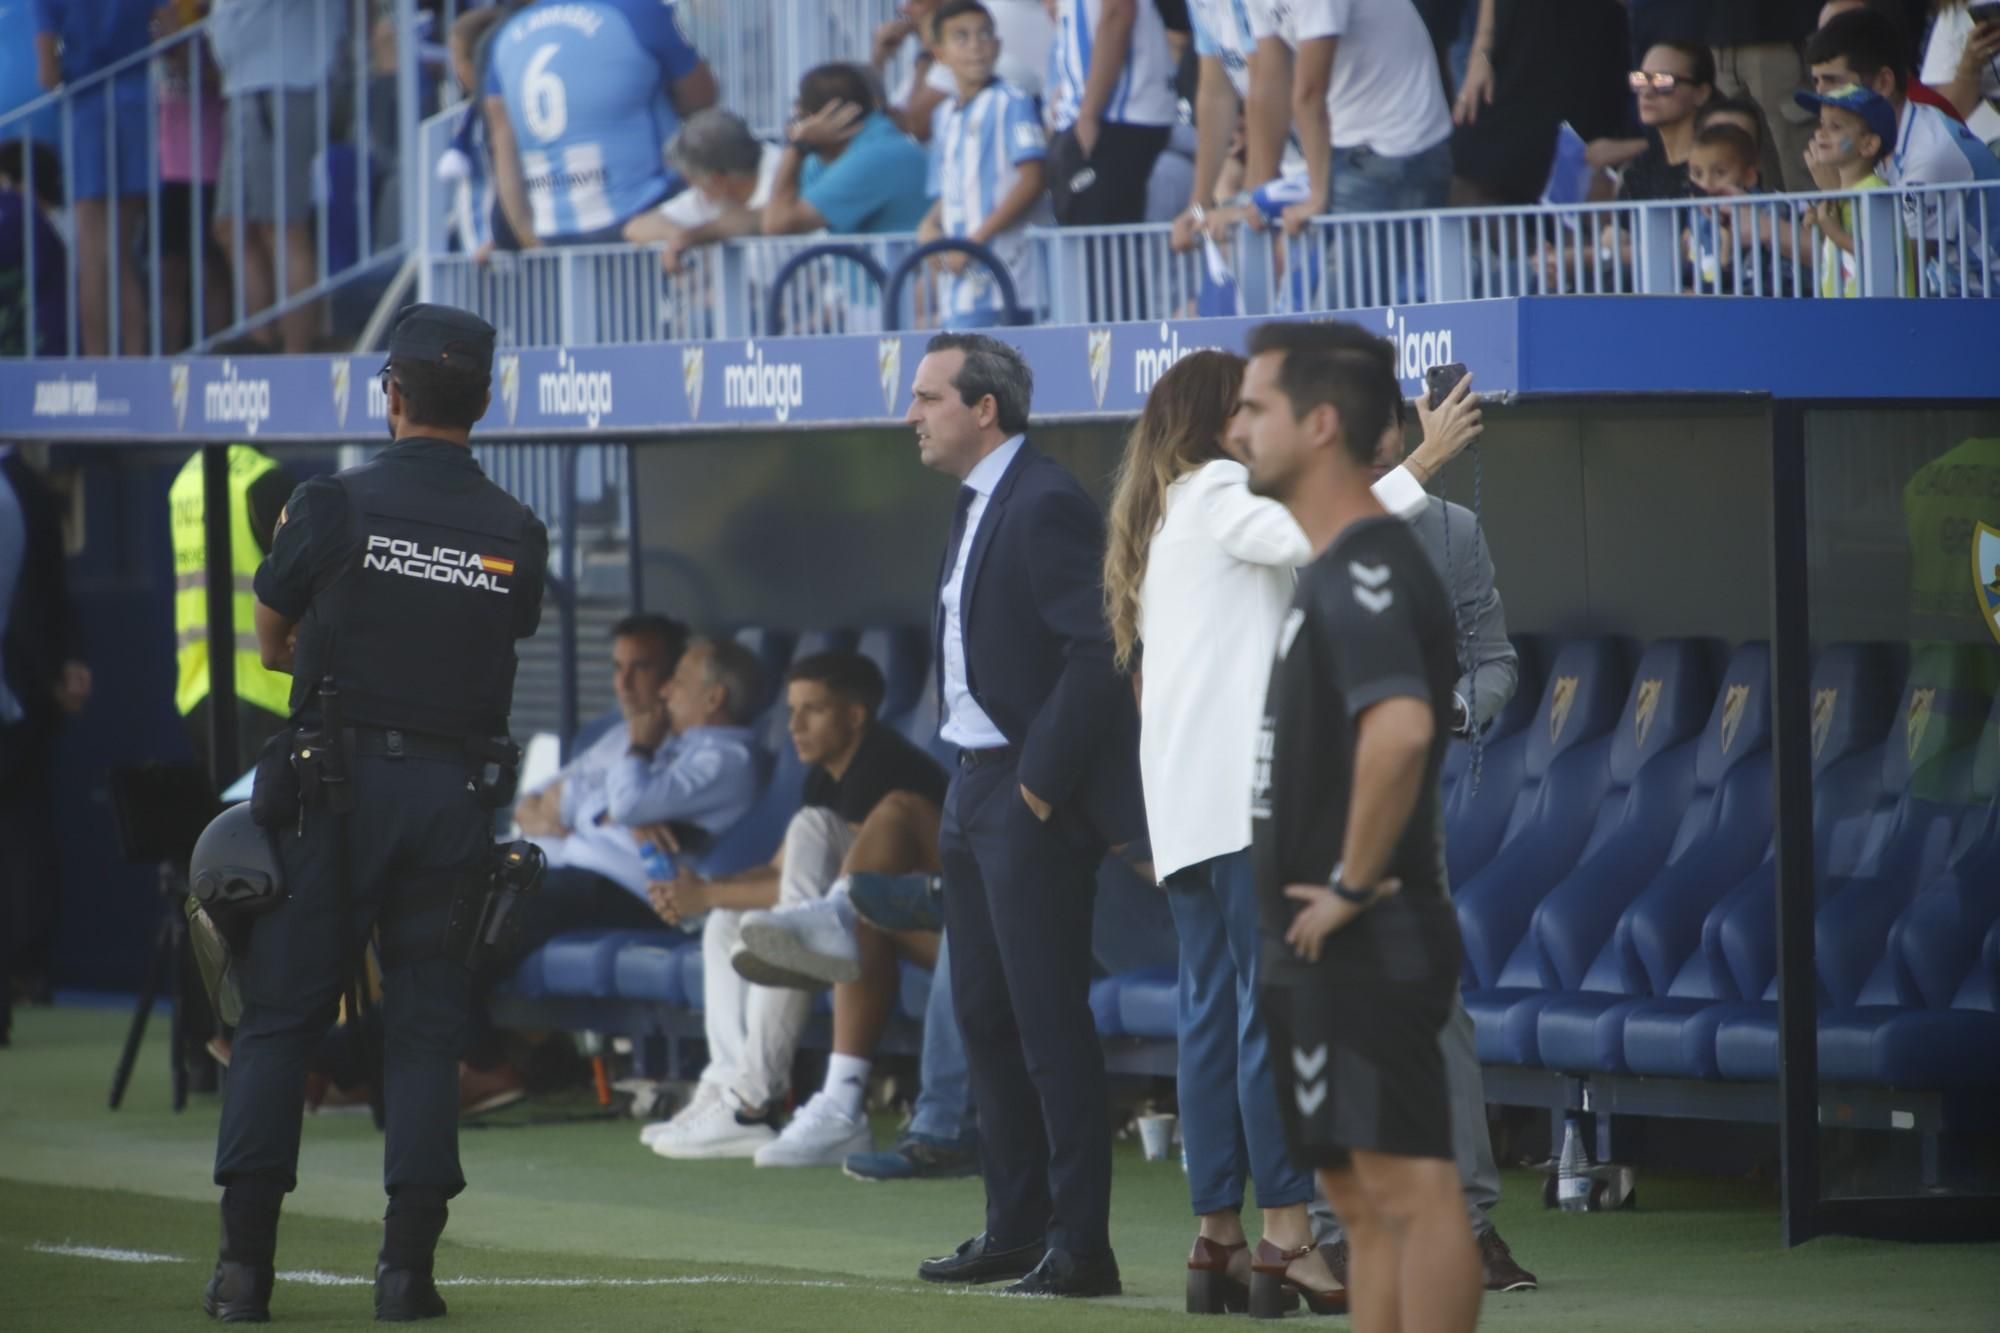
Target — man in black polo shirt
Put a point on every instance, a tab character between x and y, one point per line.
1361	945
871	803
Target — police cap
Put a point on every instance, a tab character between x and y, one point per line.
443	336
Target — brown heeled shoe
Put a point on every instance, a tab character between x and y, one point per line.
1211	1287
1273	1294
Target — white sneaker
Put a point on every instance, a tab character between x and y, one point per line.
814	940
715	1131
821	1134
704	1093
760	973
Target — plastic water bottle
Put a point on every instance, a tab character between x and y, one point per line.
659	865
1573	1171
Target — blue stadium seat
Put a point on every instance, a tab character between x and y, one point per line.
904	656
1475	818
652	971
1104	993
583	962
755	838
1148	1002
1853	690
1557	925
1565	772
773	648
691	974
1722	834
1905	840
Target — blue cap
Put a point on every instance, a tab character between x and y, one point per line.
445	336
1871	106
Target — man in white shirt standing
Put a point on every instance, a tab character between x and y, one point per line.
1111	104
1367	103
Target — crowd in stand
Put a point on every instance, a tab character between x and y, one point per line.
600	121
1218	114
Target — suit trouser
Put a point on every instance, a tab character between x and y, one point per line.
753	1031
1471	1143
413	830
1018	911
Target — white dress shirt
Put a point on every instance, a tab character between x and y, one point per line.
1219	581
965	722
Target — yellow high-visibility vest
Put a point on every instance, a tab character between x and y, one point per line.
269	690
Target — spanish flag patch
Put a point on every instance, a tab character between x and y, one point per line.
495	565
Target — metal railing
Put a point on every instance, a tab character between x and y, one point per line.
302	122
1931	242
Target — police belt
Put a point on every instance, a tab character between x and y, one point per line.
395	743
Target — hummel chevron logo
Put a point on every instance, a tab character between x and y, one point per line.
1376	602
1369	576
1309	1096
1309	1066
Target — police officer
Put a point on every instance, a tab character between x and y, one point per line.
402	584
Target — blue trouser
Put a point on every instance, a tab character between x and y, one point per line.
944	1107
1384	268
1228	1099
413	831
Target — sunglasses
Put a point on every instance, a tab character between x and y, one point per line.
1642	82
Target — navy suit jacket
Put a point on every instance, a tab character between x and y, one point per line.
1037	649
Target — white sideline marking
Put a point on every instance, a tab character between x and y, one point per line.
316	1277
109	1255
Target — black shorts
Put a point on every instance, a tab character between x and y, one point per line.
178	224
1359	1068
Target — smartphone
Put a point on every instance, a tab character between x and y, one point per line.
1441	380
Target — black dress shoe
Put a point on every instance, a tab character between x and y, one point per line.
1062	1274
239	1294
403	1294
980	1260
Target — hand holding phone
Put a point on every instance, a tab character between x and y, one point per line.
1439	381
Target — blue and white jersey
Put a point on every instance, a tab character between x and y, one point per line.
1145	91
1222	30
977	149
586	84
1933	149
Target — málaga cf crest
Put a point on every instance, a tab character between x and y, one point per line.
1986	575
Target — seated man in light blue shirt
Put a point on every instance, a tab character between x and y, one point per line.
847	169
683	761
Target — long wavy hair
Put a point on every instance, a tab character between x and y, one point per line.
1179	430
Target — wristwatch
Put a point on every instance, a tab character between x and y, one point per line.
1359	897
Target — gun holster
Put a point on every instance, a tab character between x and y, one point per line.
496	770
486	911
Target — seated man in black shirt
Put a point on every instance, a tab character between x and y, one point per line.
1361	949
871	803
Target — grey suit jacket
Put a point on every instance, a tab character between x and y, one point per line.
1488	664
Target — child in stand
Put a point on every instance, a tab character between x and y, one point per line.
1723	165
1857	129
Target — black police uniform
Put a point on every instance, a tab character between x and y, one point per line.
410	577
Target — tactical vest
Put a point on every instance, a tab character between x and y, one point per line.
417	627
266	689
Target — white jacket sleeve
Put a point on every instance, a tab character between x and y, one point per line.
1401	493
1250	528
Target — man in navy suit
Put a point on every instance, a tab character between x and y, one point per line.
1047	779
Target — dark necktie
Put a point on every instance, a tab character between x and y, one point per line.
966	495
951	562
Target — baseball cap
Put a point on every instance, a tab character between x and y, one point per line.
1871	106
444	336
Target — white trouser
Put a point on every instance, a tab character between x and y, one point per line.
753	1031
